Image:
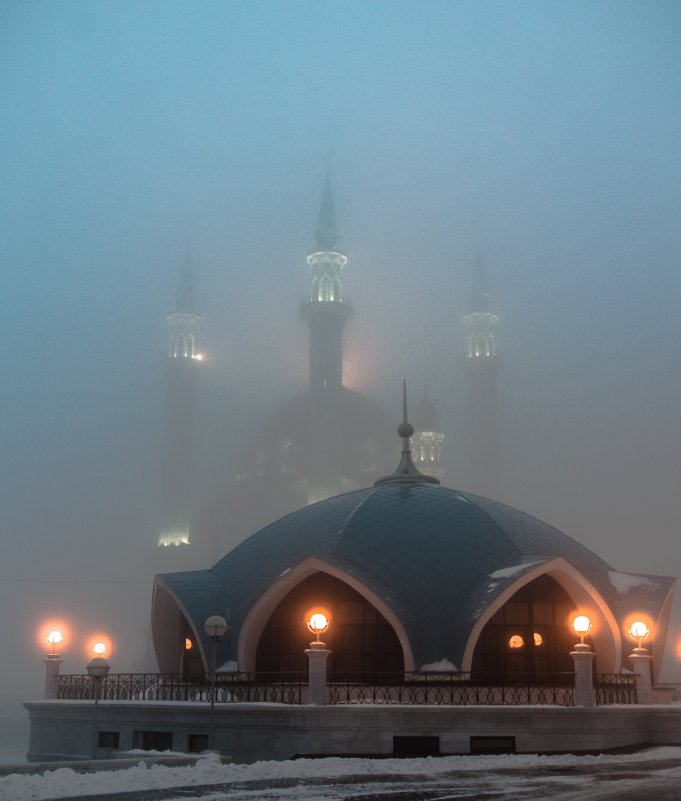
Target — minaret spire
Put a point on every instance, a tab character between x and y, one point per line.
325	235
479	296
185	299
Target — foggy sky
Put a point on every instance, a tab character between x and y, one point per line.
546	134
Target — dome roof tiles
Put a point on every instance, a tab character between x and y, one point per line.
428	551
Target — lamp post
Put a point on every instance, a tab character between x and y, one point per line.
53	662
97	669
215	627
582	656
640	660
317	654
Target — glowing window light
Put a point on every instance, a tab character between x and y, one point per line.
538	640
516	642
188	644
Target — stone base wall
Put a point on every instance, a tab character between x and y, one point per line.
250	732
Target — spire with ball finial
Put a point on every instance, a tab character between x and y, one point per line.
406	472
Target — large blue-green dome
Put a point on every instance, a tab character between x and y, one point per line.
436	557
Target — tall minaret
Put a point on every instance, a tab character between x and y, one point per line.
326	313
428	440
182	364
482	369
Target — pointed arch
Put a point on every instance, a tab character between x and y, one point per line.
257	617
606	634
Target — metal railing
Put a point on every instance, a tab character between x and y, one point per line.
234	688
452	689
615	688
411	688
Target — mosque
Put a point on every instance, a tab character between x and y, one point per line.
417	583
417	574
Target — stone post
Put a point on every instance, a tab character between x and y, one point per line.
317	655
583	656
52	665
640	660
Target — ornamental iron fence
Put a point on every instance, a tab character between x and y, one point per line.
230	688
453	689
615	688
432	688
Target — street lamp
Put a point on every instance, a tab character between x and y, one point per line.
641	661
97	669
583	657
317	653
215	627
53	638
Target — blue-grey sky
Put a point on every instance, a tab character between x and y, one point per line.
545	133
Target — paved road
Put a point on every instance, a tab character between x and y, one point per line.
624	780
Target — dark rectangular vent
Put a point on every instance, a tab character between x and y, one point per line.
415	746
153	740
107	739
492	745
198	743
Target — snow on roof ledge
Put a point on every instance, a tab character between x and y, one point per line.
625	582
513	570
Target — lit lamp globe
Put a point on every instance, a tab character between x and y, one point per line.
215	627
318	623
639	631
54	639
581	626
99	649
97	668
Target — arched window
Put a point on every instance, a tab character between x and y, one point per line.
336	293
361	641
471	346
529	638
482	345
314	295
325	289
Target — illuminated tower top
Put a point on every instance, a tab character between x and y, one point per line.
428	439
480	321
182	323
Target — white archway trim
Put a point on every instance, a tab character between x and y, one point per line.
158	624
606	634
262	609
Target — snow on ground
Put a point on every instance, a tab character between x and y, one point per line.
497	771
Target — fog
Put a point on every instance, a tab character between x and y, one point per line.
543	134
